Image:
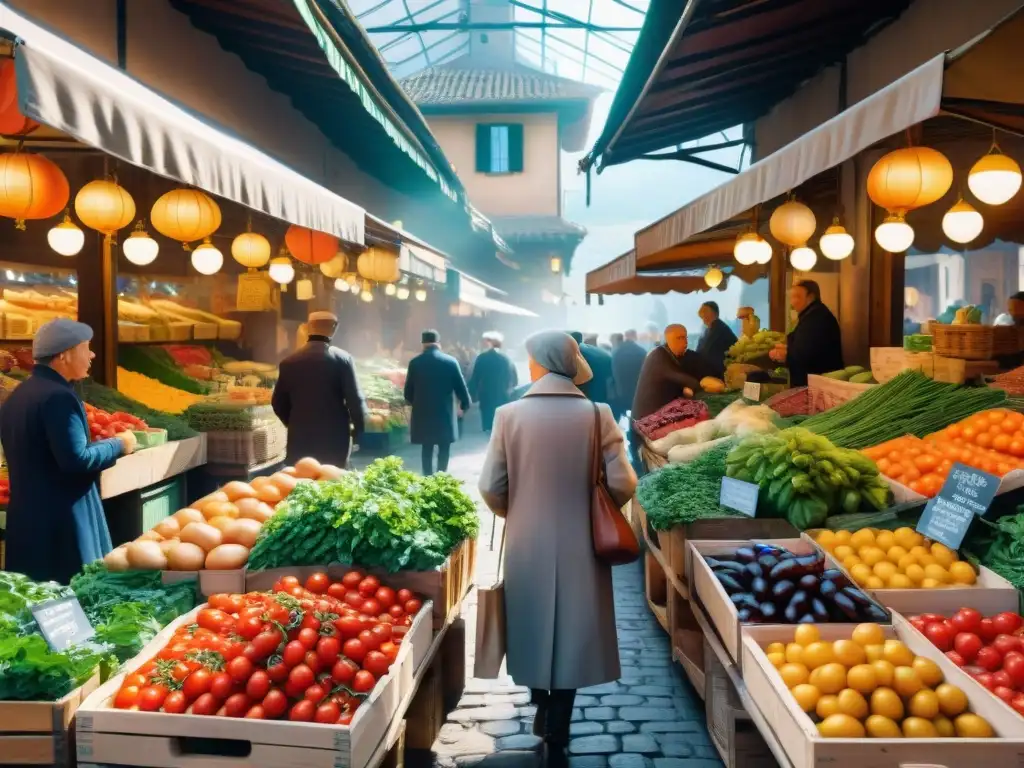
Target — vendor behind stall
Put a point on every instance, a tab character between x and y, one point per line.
714	343
816	344
55	521
669	372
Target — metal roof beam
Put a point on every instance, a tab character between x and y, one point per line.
502	25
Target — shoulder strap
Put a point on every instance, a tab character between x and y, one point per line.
597	460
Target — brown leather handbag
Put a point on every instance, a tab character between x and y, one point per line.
614	540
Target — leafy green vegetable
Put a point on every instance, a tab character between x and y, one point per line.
30	671
678	494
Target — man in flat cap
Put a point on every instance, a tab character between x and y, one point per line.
55	521
493	379
433	384
318	398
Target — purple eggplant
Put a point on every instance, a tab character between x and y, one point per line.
745	555
729	582
809	583
782	591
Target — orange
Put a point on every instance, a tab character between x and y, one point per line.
871	555
895	553
885	539
818	654
943	555
868	634
928	671
885	702
906	682
777	660
863	678
854	704
775	648
830	678
936	572
793	674
952	700
848	653
827	705
873	582
879	727
807	696
842	552
897	654
795	653
924	703
805	634
914	572
860	573
884	570
826	539
962	572
884	672
899	581
944	726
971	726
919	728
863	538
841	726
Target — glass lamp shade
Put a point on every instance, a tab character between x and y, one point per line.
354	288
66	238
206	259
751	248
894	234
836	243
366	295
792	223
803	258
141	249
341	285
962	223
421	294
995	178
714	277
281	270
402	293
390	289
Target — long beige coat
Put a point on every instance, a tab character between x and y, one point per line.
558	597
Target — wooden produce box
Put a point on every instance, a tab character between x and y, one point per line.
991	593
687	639
714	598
805	748
887	362
826	393
157	740
901	494
154	465
41	732
209	582
735	737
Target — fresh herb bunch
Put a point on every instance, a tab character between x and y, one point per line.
30	671
681	493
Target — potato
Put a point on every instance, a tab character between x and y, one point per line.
214	509
186	557
242	531
254	509
236	489
286	483
188	515
151	536
308	468
203	535
227	557
168	528
168	544
146	555
330	472
220	522
117	559
270	494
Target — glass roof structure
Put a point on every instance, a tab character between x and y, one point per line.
585	40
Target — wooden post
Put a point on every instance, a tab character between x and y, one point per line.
778	298
97	304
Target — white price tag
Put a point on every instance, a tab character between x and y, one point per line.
752	391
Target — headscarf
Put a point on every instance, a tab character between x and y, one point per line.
559	353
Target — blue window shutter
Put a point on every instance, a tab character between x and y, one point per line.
483	148
515	147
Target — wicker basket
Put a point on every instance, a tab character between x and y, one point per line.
251	448
975	342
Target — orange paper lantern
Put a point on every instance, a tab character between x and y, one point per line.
185	215
105	206
378	265
310	246
31	187
909	178
12	122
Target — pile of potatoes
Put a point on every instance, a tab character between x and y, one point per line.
217	531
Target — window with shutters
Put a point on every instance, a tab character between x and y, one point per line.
499	148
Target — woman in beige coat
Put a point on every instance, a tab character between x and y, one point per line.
559	605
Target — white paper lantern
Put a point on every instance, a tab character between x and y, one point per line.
67	238
836	243
390	289
894	234
206	259
995	178
792	223
341	285
281	270
803	258
421	294
141	249
962	223
751	248
402	293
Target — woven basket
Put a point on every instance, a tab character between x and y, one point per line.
975	342
252	448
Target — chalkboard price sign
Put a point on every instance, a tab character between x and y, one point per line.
967	492
62	623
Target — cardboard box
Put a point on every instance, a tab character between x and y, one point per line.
40	732
805	747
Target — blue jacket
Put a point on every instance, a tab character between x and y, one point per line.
432	385
55	521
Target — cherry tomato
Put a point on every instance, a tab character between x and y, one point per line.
301	676
1006	643
315	693
383	631
302	711
214	620
1013	665
151	698
328	712
248	627
275	703
385	596
967	644
390	650
127	697
278	672
940	635
397	633
966	620
404	595
222	685
989	658
337	590
353	598
397	611
355	650
1007	622
919	624
351	579
309	621
327	649
369	640
343	671
386	618
370	607
986	680
308	637
363	682
412	607
1018	703
294	653
313	662
175	703
206	704
1004	693
287	582
376	663
1002	678
368	586
258	685
987	630
317	583
197	683
240	668
348	627
345	719
256	712
237	705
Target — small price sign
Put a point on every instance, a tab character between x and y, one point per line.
62	623
739	495
752	391
967	492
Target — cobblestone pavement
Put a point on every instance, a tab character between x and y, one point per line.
650	718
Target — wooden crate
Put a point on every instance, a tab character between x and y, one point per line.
734	735
687	640
826	393
453	664
41	732
887	362
656	589
426	715
805	748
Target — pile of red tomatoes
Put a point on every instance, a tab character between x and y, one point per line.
309	651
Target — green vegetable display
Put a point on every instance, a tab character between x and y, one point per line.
678	494
158	364
226	416
907	404
382	517
803	477
717	403
999	546
755	347
917	342
111	400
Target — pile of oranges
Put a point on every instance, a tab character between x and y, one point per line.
872	686
992	441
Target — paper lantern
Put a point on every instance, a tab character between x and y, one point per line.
12	121
185	215
66	238
378	265
251	250
341	285
713	277
310	246
792	223
803	258
402	293
390	289
354	288
105	206
836	243
335	268
304	289
909	178
750	248
366	294
31	187
421	294
139	248
995	178
894	234
207	258
281	270
962	223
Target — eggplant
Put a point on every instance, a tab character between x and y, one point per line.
827	589
786	555
806	619
782	591
728	566
857	595
753	570
712	562
769	612
729	582
875	613
812	563
799	602
834	574
809	583
819	610
760	588
787	569
847	607
767	561
744	615
744	600
745	555
791	614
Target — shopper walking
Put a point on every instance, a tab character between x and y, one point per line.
601	388
559	605
493	379
55	520
432	386
317	397
627	360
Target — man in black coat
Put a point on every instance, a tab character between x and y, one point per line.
493	379
432	385
318	398
601	388
816	344
627	360
716	339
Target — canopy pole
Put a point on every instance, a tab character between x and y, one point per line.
778	299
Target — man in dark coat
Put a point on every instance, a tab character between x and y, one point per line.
716	339
433	384
627	360
318	398
493	379
55	520
601	388
816	344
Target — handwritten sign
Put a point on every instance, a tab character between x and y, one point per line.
967	492
63	623
739	495
752	391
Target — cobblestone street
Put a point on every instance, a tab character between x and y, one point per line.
650	718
